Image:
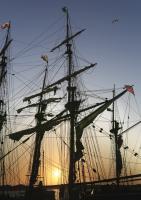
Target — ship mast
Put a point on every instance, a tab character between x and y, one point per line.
39	136
115	134
3	95
71	107
114	130
72	104
76	128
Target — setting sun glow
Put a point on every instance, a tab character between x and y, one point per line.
56	173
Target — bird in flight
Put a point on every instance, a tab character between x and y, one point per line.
115	20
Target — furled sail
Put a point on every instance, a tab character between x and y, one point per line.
47	126
88	120
119	144
50	87
43	103
54	89
70	76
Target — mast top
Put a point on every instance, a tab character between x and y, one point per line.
65	9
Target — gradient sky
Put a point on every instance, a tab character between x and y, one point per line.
115	46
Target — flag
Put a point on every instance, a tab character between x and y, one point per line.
130	89
5	25
45	58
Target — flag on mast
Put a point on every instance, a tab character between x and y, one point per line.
130	89
5	25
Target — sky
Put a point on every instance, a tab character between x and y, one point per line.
114	46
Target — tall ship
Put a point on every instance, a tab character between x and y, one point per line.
59	139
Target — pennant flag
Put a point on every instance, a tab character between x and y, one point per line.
45	58
5	25
130	89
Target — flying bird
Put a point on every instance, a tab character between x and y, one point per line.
115	20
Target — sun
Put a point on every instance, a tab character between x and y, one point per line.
56	173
